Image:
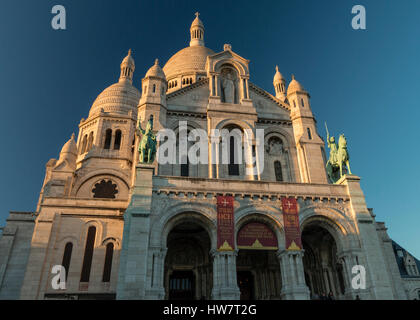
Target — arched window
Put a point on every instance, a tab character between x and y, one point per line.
67	257
154	88
185	168
133	145
90	142
117	141
83	145
108	136
303	104
145	89
294	103
309	134
233	167
87	259
278	171
185	163
106	276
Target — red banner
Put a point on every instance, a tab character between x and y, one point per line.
291	224
256	236
225	224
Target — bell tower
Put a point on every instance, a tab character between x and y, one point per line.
153	97
308	143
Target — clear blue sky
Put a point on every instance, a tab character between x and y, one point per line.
365	84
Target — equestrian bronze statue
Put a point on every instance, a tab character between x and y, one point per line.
147	145
339	157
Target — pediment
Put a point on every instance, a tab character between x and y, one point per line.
268	106
215	61
195	95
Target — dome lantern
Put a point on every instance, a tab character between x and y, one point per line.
279	85
197	32
127	68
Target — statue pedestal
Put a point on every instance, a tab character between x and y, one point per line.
378	282
357	198
132	274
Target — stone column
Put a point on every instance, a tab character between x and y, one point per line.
348	261
214	145
292	274
225	286
156	289
248	155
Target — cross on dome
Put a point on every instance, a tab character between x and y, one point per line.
197	14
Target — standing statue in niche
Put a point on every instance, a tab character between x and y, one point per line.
339	157
228	88
147	145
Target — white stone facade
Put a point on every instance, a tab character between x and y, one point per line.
161	220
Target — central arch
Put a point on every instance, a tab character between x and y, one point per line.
258	268
188	272
324	272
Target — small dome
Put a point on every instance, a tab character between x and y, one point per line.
186	61
69	147
294	86
120	98
278	76
128	60
156	71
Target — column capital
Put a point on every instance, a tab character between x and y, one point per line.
215	253
282	253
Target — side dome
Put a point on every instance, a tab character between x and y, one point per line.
294	86
155	71
186	61
120	98
70	146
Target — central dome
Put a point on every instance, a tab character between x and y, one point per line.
187	60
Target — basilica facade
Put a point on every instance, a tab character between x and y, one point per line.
124	229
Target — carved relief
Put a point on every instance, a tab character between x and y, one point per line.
274	146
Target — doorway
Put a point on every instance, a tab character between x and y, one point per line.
246	285
181	285
188	265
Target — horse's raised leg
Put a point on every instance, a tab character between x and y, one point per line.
341	169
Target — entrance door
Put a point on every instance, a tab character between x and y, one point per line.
181	285
246	285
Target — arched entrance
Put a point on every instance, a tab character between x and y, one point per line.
188	266
323	272
258	268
